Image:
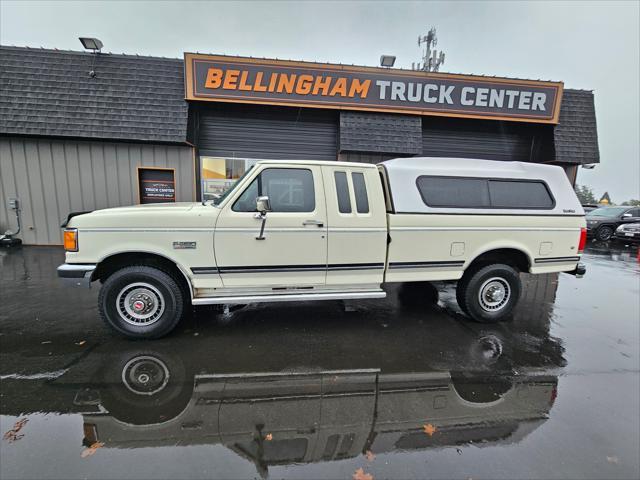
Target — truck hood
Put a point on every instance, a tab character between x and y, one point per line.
156	215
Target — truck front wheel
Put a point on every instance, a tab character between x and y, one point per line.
141	302
490	293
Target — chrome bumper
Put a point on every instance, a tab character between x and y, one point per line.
76	275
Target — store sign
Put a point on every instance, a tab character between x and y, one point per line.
156	185
275	82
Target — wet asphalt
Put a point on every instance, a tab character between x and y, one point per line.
405	387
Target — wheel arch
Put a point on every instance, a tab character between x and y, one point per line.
513	255
113	262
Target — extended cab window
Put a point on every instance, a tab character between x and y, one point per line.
360	190
342	191
288	189
461	192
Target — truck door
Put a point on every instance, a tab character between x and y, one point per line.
293	252
357	225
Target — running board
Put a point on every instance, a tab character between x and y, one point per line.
288	297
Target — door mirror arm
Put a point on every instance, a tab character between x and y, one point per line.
262	206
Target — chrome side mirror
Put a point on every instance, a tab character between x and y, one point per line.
626	215
263	205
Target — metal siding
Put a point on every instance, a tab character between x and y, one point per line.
267	132
54	177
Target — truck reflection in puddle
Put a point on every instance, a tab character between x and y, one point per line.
283	418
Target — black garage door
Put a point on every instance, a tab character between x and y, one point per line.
490	140
247	131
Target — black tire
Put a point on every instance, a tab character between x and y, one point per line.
498	278
161	297
604	233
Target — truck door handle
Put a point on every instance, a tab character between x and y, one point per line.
319	223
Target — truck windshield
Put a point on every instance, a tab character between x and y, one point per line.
606	212
226	193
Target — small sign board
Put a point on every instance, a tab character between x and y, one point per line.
156	185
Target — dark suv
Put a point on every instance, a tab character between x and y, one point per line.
602	222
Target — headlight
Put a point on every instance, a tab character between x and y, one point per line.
70	236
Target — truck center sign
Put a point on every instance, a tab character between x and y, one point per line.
275	82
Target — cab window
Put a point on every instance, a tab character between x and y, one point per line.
288	189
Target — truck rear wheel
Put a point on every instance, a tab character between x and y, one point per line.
490	293
141	302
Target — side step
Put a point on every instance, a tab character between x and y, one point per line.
288	297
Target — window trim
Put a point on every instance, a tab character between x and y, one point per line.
487	180
259	179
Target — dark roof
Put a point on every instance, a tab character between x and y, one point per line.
50	92
576	135
380	133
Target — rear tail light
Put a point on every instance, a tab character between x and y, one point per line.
583	240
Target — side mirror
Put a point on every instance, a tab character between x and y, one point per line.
263	205
626	215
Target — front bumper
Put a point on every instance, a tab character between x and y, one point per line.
76	275
579	271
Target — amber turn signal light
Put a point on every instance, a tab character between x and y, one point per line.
71	240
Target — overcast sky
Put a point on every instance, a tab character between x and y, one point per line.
589	45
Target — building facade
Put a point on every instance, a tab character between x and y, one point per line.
82	131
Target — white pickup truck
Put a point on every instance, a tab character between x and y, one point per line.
303	230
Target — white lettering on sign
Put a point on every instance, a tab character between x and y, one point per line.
468	96
539	100
445	94
427	93
464	99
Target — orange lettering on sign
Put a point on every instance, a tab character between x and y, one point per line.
214	78
243	82
303	87
257	86
286	82
230	80
339	88
361	88
322	83
272	82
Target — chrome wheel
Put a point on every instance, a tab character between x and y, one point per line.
140	304
145	375
494	294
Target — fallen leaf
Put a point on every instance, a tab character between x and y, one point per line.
360	475
429	429
613	459
12	435
370	456
268	437
87	452
80	343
